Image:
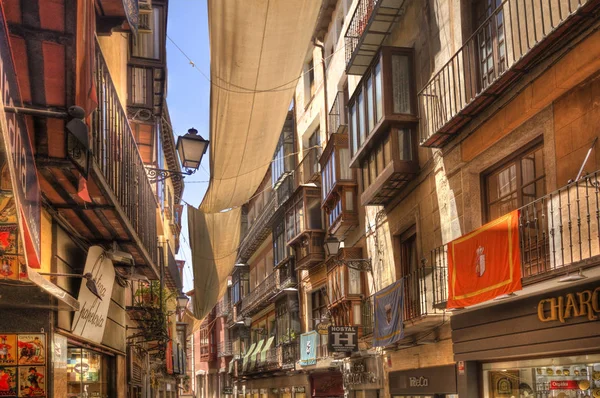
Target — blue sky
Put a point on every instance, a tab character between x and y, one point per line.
188	97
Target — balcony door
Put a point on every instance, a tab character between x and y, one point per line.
408	268
491	43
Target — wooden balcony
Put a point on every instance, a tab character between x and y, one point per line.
384	177
339	187
558	234
304	230
123	206
371	23
511	41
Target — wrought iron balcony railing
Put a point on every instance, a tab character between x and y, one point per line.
224	349
290	354
367	316
337	115
497	54
260	296
117	159
558	233
224	307
370	24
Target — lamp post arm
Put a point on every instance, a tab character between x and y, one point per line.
156	175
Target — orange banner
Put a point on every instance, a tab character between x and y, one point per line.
485	263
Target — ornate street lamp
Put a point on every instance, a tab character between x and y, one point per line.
191	149
332	248
182	301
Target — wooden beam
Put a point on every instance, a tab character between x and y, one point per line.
37	33
77	209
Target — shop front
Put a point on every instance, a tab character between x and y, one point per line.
434	382
288	386
363	377
544	345
327	384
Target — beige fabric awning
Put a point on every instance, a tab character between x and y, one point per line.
257	51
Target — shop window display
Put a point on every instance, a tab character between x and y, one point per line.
87	374
567	377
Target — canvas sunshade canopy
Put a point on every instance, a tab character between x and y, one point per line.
257	51
263	354
257	351
247	356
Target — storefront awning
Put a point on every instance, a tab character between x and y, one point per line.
41	294
230	371
247	356
267	347
255	353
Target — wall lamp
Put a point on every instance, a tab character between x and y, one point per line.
90	283
191	148
332	248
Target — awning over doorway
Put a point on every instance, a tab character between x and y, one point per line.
267	347
247	356
257	351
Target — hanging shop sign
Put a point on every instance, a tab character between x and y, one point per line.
323	327
89	322
425	381
363	374
227	390
343	338
585	303
19	154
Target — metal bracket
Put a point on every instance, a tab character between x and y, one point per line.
156	175
362	264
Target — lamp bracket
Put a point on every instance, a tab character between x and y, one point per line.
360	264
156	175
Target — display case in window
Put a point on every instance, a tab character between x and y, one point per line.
88	374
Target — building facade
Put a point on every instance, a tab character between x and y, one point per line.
89	280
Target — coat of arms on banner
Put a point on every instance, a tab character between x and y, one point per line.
388	315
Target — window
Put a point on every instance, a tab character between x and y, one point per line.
311	77
319	307
491	43
385	92
140	86
279	247
283	162
241	286
88	373
515	183
147	43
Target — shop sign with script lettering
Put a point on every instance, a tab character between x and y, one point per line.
571	305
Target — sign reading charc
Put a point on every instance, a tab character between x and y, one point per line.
585	303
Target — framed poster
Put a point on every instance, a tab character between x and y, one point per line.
32	381
504	384
8	349
8	381
31	349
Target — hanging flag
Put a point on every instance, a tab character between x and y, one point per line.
308	348
82	190
485	263
389	315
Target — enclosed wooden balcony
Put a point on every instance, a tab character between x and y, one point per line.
515	37
308	170
339	187
123	205
304	228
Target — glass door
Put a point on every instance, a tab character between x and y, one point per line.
87	374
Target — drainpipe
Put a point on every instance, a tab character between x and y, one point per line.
326	106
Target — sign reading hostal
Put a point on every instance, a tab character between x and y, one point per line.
343	338
90	320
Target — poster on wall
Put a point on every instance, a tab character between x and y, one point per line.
31	349
32	381
8	381
8	349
